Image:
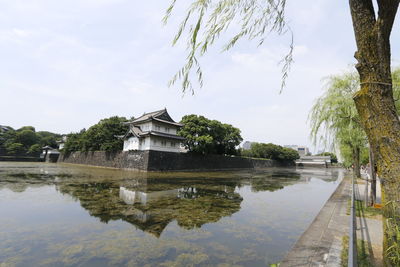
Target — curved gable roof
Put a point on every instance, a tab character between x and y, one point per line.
161	115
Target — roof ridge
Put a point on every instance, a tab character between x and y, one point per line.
157	111
151	114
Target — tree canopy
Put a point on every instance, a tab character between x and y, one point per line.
335	121
25	140
373	22
270	151
99	137
205	136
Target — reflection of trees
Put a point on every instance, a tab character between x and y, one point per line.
153	200
191	205
20	181
273	181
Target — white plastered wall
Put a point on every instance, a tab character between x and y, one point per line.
132	143
163	144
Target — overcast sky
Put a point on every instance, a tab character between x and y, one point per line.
67	64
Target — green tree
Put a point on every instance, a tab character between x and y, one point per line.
206	136
334	119
347	156
27	137
32	141
99	137
289	154
73	142
103	135
271	151
15	148
28	128
35	150
372	21
7	135
330	154
48	138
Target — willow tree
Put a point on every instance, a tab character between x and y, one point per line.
206	20
334	119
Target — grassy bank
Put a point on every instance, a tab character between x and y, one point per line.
363	256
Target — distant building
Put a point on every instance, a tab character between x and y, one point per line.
49	154
247	145
61	143
302	150
314	161
153	131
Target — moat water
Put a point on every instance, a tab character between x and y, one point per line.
67	215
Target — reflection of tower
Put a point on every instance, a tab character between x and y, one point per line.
150	204
131	197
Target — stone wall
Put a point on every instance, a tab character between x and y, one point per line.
121	160
166	161
20	158
186	161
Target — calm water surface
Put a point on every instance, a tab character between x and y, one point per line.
64	215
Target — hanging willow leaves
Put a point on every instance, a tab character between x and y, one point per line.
334	119
205	20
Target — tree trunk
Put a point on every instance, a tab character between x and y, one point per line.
372	176
356	161
374	102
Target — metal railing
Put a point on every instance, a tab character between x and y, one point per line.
352	258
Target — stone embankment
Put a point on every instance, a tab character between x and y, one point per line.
166	161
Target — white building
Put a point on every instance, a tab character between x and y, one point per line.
302	150
61	143
153	131
247	145
316	161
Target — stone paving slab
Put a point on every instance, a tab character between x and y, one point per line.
321	243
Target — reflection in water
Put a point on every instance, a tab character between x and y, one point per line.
246	218
151	204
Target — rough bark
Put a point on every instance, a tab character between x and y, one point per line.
374	102
372	176
356	162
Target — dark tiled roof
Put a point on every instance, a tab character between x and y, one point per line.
133	131
147	116
172	136
159	115
136	131
169	122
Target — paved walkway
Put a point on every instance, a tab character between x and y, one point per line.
321	243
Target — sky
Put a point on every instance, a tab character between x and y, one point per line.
67	64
